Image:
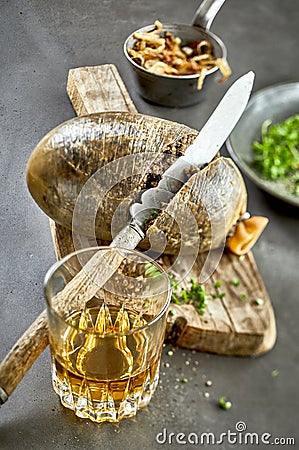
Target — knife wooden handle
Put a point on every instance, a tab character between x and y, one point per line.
23	354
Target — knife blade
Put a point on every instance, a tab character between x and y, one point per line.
206	145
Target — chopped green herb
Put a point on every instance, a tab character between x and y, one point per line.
294	179
184	380
275	373
184	296
219	295
172	312
259	301
175	299
173	283
277	155
243	297
235	282
218	284
195	295
224	404
151	270
150	219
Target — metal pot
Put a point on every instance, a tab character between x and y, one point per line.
172	90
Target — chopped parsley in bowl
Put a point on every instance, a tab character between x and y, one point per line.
264	143
277	152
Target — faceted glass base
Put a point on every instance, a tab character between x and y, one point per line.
105	410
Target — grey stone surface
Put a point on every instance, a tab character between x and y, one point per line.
40	41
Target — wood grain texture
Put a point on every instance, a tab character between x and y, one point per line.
230	326
98	88
62	240
23	354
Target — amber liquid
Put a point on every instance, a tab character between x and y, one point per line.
104	374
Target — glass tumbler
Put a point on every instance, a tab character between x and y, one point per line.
107	310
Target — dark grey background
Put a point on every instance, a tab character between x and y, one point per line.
40	41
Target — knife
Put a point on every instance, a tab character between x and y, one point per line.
208	142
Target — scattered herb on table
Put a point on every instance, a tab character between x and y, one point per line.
218	284
259	301
224	404
219	295
195	295
151	270
277	155
235	282
172	312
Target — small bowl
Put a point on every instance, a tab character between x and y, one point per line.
172	90
276	103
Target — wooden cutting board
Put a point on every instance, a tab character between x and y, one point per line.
232	325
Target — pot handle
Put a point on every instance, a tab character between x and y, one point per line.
206	13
